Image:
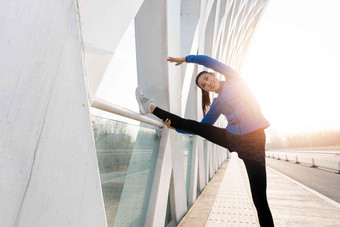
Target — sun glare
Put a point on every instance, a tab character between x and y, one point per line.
292	68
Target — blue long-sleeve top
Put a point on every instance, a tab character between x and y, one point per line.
235	100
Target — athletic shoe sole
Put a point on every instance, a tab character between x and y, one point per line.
140	105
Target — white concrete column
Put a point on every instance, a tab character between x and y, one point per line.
239	28
213	160
206	7
152	70
193	173
103	24
49	174
157	36
224	22
210	31
201	167
179	200
192	102
161	183
211	163
151	51
216	158
190	17
219	157
227	20
173	24
207	177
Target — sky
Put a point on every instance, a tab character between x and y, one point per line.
293	65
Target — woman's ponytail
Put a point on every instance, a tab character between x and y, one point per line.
205	102
205	96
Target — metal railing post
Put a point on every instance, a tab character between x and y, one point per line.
313	163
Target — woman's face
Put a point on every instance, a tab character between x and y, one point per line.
208	82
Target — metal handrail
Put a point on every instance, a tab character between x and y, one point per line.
323	162
112	108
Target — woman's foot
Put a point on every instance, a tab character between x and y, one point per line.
143	102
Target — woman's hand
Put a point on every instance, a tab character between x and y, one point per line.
167	122
177	60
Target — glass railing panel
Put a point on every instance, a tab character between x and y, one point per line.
187	150
126	158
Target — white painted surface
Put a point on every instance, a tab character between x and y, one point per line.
179	198
207	177
193	173
201	167
49	174
161	182
103	24
151	51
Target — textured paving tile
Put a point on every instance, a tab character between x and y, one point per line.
198	214
233	205
291	204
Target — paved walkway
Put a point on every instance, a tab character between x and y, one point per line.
226	201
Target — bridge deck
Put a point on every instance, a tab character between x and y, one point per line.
226	201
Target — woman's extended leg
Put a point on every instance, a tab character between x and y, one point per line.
211	133
258	185
214	134
251	148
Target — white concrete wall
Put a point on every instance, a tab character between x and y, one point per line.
49	173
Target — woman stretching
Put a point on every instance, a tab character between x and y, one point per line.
244	132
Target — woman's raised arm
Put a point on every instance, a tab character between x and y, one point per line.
212	64
177	60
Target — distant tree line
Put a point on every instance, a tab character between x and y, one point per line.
314	139
112	135
306	139
115	135
116	141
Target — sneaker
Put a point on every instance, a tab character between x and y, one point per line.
143	102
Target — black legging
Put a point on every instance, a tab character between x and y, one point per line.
250	148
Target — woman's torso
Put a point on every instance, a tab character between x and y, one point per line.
240	107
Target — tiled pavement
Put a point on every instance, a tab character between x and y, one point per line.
232	205
291	203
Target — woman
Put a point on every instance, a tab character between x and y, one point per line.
244	132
